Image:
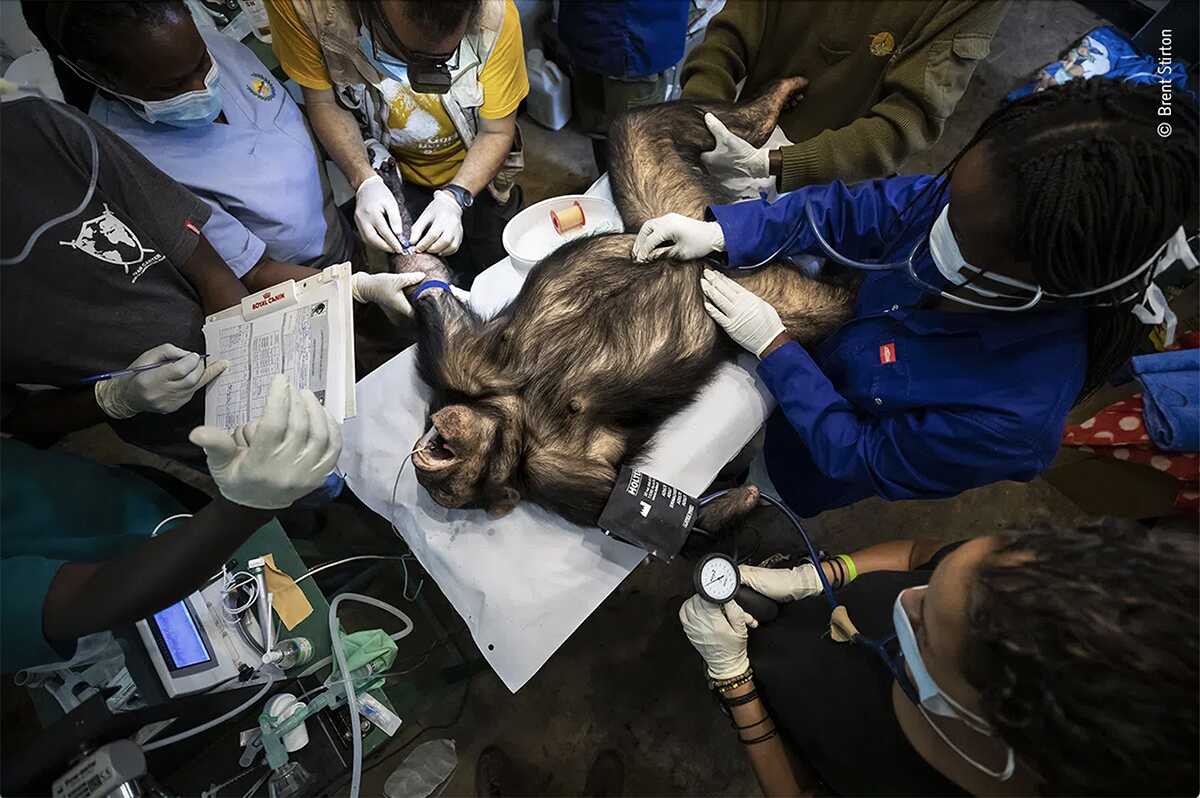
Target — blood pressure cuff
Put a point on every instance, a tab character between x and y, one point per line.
648	513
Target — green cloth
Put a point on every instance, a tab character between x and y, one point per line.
883	77
56	508
364	647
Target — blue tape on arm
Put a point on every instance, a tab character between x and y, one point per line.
425	286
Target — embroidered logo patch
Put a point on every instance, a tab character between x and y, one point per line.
108	239
883	43
261	86
887	353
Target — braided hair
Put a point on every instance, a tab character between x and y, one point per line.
90	31
1094	191
1085	649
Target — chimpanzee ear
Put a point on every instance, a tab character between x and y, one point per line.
503	502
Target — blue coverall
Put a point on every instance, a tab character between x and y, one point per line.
904	401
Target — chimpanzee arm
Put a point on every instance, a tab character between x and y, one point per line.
455	351
405	262
571	485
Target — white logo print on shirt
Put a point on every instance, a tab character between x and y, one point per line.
109	239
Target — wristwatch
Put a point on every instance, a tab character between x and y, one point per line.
464	198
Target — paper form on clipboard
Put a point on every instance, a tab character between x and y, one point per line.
302	329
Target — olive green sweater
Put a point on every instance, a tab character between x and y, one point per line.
883	76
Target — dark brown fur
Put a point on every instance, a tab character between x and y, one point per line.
573	378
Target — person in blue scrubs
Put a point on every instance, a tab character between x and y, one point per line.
621	58
203	108
77	555
995	295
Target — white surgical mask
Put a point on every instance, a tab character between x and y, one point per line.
1149	303
936	700
190	109
943	248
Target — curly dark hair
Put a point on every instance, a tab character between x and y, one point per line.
1085	649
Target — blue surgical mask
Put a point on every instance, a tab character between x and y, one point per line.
190	109
387	65
936	700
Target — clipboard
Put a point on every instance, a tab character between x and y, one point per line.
304	330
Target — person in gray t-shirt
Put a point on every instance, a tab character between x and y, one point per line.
127	274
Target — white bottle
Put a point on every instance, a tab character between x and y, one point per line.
549	91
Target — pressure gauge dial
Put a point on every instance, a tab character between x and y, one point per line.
716	578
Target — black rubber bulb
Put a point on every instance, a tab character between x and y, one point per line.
762	608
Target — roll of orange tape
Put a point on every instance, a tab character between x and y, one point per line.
568	218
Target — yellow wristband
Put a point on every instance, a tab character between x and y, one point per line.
851	570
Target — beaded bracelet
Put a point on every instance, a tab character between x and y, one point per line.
722	685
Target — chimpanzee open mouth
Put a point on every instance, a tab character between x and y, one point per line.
432	452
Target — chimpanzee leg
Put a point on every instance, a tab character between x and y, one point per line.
654	152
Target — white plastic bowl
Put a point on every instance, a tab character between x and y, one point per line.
530	235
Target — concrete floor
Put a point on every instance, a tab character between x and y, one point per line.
627	679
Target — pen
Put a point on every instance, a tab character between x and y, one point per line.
108	375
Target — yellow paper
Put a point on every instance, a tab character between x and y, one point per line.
289	601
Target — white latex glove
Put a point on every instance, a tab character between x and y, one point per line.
284	455
386	290
748	319
738	164
677	236
377	215
719	633
439	230
782	584
161	390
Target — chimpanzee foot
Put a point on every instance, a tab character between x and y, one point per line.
755	120
729	509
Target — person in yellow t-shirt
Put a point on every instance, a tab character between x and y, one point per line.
438	84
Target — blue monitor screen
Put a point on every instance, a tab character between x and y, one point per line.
179	635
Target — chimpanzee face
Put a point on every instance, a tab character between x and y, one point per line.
458	460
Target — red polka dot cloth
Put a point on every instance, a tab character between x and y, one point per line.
1119	432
